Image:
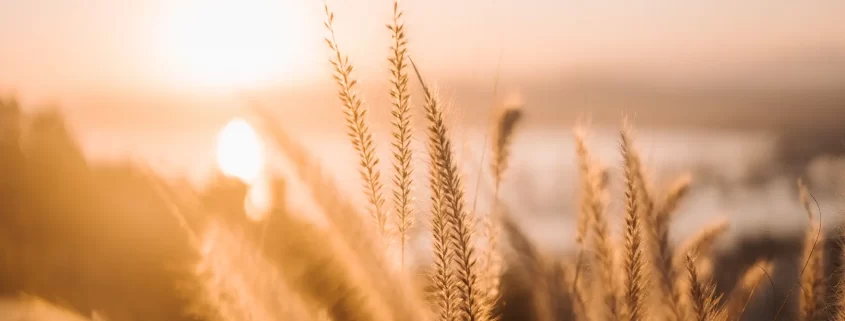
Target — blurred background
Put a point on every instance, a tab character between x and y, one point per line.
746	96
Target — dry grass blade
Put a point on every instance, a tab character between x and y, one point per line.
502	136
702	242
839	314
442	275
809	251
323	269
237	282
635	283
638	174
702	294
358	127
493	262
401	112
592	214
812	280
661	248
587	198
344	219
744	291
472	303
530	255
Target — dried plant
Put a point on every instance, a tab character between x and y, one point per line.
238	283
536	264
635	282
401	112
702	242
703	300
472	305
358	127
344	221
661	248
492	257
812	279
592	215
442	275
502	137
839	314
745	289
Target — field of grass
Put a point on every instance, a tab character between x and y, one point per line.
117	242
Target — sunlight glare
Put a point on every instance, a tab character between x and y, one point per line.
259	200
239	151
231	44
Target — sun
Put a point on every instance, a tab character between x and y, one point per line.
240	152
231	43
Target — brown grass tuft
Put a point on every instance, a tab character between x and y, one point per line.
402	154
702	294
744	290
472	305
592	214
702	242
492	257
661	248
354	234
505	126
812	278
358	127
635	282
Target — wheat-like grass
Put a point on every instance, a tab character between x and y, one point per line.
702	242
839	314
662	250
703	300
492	257
536	263
237	282
401	111
592	214
812	279
640	180
358	127
635	278
587	198
472	304
327	272
442	275
502	136
345	222
744	290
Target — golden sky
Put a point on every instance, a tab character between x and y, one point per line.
56	48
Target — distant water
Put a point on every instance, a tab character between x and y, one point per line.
736	174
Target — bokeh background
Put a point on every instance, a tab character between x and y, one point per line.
746	96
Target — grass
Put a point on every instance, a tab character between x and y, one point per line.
340	268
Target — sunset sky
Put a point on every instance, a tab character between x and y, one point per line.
55	48
160	77
757	84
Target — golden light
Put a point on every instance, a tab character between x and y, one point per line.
259	200
231	43
240	152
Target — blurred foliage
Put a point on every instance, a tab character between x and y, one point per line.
88	237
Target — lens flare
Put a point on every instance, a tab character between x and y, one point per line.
240	152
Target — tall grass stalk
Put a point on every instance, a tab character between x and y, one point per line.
472	305
358	127
401	112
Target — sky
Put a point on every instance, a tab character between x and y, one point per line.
132	74
57	48
158	78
